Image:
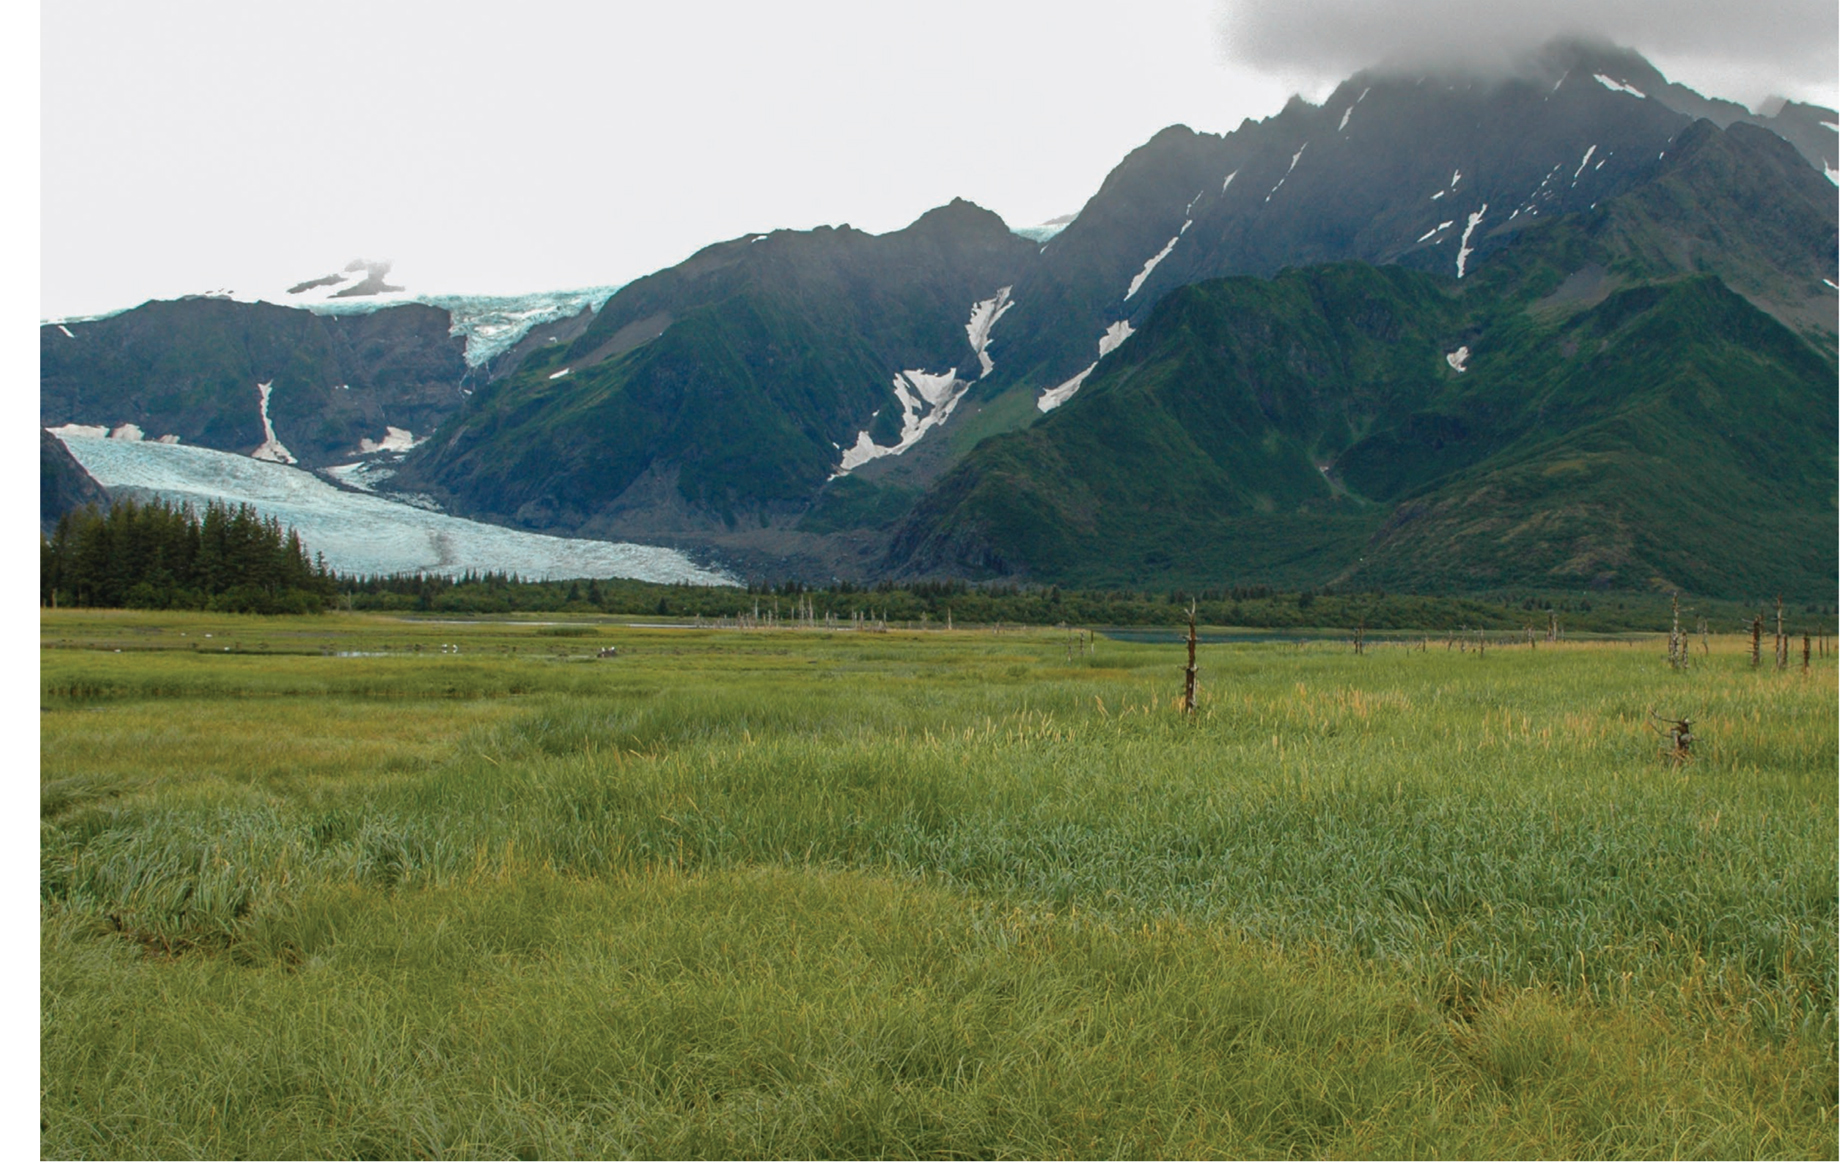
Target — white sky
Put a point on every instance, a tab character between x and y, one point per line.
557	144
563	143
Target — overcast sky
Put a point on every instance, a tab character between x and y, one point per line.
565	143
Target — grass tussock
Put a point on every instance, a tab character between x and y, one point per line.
787	894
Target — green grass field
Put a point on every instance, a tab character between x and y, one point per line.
338	891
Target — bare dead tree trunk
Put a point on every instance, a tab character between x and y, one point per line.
1188	690
1679	735
1757	642
1806	647
1782	640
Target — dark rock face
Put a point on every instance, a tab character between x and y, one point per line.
191	368
63	485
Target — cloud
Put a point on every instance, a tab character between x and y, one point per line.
1744	53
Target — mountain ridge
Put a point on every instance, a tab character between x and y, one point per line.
799	400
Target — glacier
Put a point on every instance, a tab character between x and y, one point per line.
363	533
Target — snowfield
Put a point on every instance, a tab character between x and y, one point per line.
361	533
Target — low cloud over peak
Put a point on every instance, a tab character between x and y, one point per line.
1785	48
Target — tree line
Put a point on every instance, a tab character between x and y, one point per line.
156	555
159	556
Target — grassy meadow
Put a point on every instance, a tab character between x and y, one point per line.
359	886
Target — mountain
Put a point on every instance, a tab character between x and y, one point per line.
956	397
1589	408
63	483
275	382
679	410
717	398
1427	171
1361	426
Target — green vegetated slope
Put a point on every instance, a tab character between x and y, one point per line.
1619	423
468	891
730	383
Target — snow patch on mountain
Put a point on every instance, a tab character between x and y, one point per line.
1054	397
1115	335
1150	265
271	448
1458	358
1228	181
365	534
927	400
1618	86
1463	247
1349	112
1287	172
1435	229
1833	175
1583	164
561	374
66	331
984	316
395	440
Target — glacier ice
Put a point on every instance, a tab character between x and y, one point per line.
366	534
